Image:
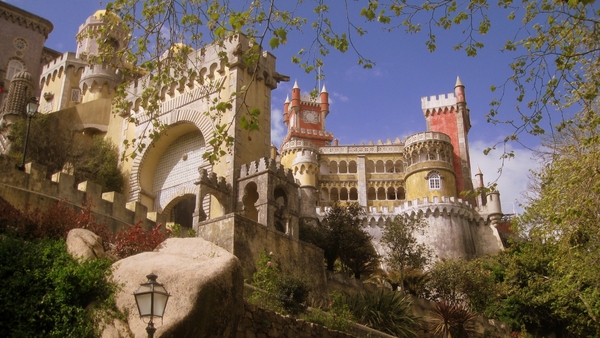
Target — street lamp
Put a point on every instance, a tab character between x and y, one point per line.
151	299
32	108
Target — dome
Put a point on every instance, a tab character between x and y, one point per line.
23	75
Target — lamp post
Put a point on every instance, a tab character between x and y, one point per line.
151	299
32	108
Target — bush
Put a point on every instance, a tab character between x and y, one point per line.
45	291
136	239
278	292
383	310
337	318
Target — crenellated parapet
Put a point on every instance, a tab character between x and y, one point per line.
55	69
444	206
428	146
208	74
96	76
213	181
30	188
266	164
437	104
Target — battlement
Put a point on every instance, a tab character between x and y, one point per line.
266	164
61	61
437	206
304	131
31	188
437	101
295	145
426	136
209	70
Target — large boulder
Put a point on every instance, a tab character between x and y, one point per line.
84	244
205	283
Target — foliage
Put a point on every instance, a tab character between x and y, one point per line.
404	252
45	291
453	320
338	317
48	143
471	283
555	66
341	236
136	239
98	161
58	147
278	291
383	310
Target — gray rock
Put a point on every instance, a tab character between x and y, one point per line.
205	283
84	244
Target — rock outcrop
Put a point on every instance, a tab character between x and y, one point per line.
205	283
84	244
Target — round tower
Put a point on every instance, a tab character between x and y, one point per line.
430	171
99	81
494	207
302	158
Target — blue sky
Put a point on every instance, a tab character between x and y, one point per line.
383	102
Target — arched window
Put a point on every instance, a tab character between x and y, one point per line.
14	67
371	194
391	194
379	167
381	194
401	194
399	166
352	167
389	166
334	195
435	180
343	168
333	167
353	194
343	194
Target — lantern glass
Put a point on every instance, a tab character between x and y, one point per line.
32	107
151	298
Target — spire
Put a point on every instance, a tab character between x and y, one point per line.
324	90
458	82
287	99
296	85
479	171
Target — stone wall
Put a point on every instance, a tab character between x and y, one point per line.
258	322
246	239
30	188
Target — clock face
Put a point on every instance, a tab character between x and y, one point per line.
310	116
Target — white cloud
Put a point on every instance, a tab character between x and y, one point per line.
278	130
337	96
513	179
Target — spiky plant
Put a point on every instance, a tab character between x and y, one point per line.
453	320
383	310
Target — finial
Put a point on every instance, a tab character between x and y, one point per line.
324	90
295	85
458	82
479	171
287	99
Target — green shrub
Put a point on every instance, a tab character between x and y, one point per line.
337	318
45	291
383	310
278	291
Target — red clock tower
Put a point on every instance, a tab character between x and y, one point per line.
305	117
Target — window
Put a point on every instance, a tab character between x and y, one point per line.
435	180
75	95
14	67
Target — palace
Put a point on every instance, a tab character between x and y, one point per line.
255	197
